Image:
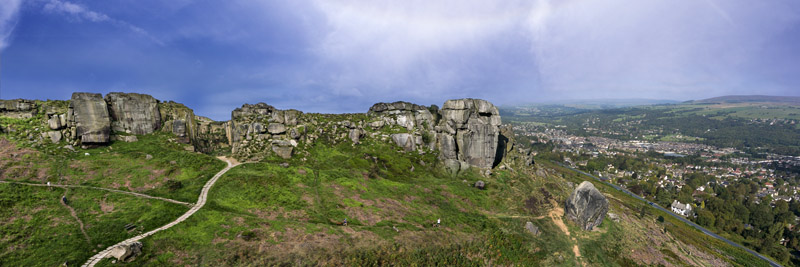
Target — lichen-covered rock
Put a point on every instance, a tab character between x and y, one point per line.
17	108
126	252
355	135
276	128
90	117
403	114
256	129
586	206
468	131
282	148
178	119
55	136
133	113
55	122
404	140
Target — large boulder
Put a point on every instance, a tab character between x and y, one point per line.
126	252
89	114
282	148
468	131
133	113
586	206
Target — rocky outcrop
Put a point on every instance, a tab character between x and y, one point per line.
586	206
255	130
468	131
179	120
88	115
17	108
133	113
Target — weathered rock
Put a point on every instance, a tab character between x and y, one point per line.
480	185
533	229
276	128
125	138
55	123
403	114
55	136
69	147
126	252
355	135
178	119
90	116
468	131
586	206
17	108
133	113
282	148
404	140
455	166
376	124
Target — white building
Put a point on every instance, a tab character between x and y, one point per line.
680	208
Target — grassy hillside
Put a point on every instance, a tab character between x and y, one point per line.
277	211
267	214
38	230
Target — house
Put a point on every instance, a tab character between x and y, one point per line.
680	208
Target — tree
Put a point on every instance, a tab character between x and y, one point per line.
705	218
761	217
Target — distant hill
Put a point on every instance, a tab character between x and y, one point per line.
598	103
747	98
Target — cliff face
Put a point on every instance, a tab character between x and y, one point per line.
465	132
133	113
88	115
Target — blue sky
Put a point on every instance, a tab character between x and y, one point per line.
343	56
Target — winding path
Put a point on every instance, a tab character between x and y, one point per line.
100	188
201	201
75	215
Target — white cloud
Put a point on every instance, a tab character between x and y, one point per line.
383	46
74	10
79	12
9	12
652	48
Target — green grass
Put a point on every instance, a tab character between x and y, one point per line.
171	173
38	231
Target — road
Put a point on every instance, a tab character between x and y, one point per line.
104	189
698	227
201	201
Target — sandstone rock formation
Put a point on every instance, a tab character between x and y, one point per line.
17	108
133	113
468	131
88	114
179	120
586	206
255	130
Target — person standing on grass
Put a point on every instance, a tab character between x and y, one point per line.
438	222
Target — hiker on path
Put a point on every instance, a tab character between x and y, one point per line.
345	222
